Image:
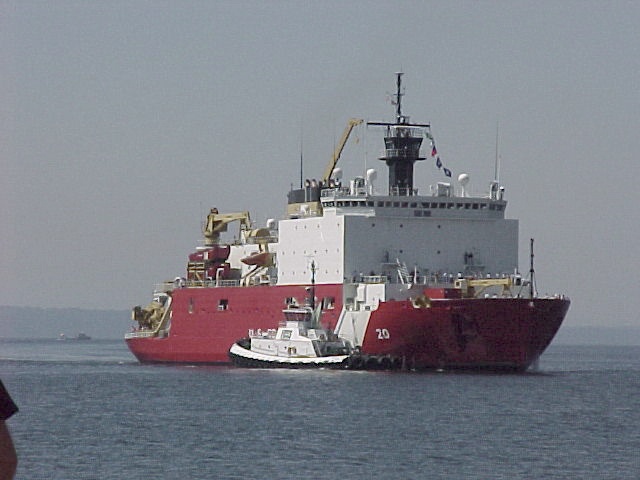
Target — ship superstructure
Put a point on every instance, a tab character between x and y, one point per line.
429	279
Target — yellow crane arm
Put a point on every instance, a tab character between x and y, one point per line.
353	122
217	223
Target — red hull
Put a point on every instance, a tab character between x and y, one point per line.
206	334
501	333
497	333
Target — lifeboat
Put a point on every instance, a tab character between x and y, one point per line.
262	259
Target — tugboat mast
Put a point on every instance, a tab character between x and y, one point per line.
312	301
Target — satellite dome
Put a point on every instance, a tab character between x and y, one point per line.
371	174
463	179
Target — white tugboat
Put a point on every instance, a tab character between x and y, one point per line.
299	342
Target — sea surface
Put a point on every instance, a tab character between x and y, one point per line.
88	410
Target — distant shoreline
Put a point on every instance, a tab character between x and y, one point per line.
36	322
597	335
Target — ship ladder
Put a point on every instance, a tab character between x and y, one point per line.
403	272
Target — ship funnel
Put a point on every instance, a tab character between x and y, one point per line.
463	180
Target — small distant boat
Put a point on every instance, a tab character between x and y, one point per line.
299	342
80	336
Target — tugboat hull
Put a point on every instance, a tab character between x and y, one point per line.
243	357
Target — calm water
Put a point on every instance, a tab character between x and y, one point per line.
89	411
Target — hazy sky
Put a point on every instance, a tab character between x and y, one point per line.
123	122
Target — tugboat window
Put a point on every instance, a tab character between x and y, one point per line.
328	303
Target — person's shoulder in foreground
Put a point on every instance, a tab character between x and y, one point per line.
8	457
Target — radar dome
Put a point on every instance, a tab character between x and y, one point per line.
371	176
463	180
337	173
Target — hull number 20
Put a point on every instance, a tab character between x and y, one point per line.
383	333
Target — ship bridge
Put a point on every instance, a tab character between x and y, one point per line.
356	200
356	231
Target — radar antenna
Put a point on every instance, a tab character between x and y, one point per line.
399	94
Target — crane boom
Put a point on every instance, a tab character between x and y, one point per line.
353	122
217	223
